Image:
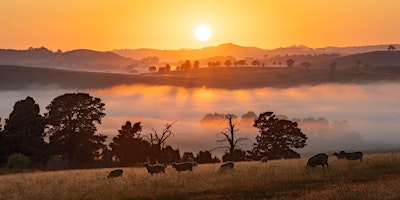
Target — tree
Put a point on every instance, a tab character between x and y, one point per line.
248	118
306	64
24	131
128	146
158	142
186	65
255	63
167	67
71	120
187	156
290	62
228	63
277	139
333	67
152	69
196	64
391	48
241	63
205	157
231	140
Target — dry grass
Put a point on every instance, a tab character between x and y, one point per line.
378	177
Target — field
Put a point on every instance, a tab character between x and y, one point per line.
17	78
377	177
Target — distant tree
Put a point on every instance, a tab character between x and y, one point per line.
24	131
213	117
187	156
290	62
248	118
236	155
333	67
228	63
205	157
274	63
217	64
358	64
129	147
279	63
306	64
229	138
277	139
168	67
186	65
196	64
241	63
71	120
391	48
152	69
255	63
235	63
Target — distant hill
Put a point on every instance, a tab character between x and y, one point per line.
139	60
376	58
81	59
241	52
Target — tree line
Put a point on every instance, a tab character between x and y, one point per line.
65	136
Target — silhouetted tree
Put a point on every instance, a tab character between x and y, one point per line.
290	62
248	118
205	157
169	155
255	63
71	120
128	146
333	67
228	63
391	48
168	67
236	155
277	138
231	140
306	64
196	64
158	141
152	69
186	65
187	156
24	131
241	62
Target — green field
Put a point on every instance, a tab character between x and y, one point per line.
377	177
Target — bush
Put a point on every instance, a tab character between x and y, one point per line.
17	161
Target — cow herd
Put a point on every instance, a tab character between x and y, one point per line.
313	161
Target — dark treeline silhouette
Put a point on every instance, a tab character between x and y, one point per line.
73	142
66	137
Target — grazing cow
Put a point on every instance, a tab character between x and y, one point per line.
185	166
349	156
319	159
154	169
115	173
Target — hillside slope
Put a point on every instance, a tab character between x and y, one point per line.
16	77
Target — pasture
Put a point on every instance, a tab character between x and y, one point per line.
377	177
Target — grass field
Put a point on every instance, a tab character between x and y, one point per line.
377	177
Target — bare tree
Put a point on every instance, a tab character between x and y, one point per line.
229	137
159	140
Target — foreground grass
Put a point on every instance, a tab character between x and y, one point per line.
378	177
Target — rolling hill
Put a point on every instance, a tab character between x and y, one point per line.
17	77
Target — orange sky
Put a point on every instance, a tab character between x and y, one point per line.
169	24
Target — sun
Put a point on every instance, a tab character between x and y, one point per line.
202	33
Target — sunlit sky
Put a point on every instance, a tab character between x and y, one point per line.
169	24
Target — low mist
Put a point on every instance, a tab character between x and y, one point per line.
334	116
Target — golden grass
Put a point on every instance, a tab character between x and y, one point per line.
378	177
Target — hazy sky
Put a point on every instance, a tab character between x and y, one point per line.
169	24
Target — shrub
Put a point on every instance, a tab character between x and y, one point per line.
17	161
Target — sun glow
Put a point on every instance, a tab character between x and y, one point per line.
202	33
